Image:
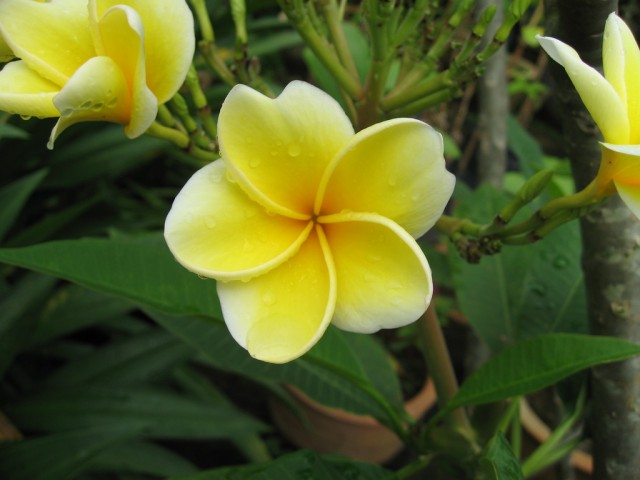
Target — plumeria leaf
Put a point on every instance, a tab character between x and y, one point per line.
498	462
301	464
60	456
143	457
136	359
333	373
534	364
18	316
542	292
14	196
149	412
140	269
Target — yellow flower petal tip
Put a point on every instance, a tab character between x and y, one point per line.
304	222
94	60
613	100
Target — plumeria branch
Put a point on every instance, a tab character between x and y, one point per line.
475	240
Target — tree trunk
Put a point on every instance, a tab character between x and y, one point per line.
493	104
611	256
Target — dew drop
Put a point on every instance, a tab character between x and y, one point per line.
25	117
97	106
86	105
560	262
294	150
112	103
268	299
247	246
210	222
230	177
254	162
215	177
274	152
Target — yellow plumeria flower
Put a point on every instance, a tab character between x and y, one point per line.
305	223
613	100
88	60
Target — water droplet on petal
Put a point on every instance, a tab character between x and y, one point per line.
210	221
215	177
274	152
97	106
294	150
86	105
112	103
268	299
254	162
247	246
25	117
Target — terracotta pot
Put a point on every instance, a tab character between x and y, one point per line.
330	430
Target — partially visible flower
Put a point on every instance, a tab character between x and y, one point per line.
613	100
305	223
88	60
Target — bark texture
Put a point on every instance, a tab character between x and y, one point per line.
611	255
493	104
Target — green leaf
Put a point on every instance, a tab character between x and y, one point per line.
18	316
131	361
140	269
11	131
100	154
14	196
60	456
51	224
537	363
73	308
298	466
150	413
331	373
512	296
498	462
489	293
142	457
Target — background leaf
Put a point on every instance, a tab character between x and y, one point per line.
139	268
297	466
537	363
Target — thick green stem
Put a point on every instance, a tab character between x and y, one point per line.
333	18
325	53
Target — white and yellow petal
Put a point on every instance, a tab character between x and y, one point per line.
598	95
394	168
120	33
279	316
384	280
215	230
621	62
279	148
97	91
24	92
169	40
52	38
